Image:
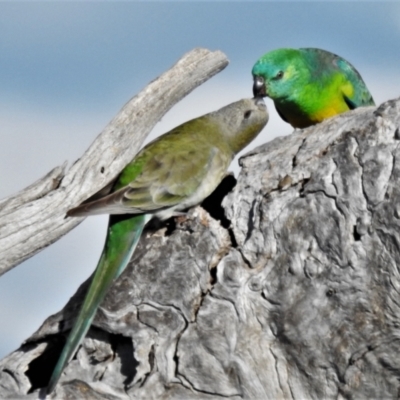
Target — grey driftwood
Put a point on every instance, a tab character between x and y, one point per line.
291	289
35	217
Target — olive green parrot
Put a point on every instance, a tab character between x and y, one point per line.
176	171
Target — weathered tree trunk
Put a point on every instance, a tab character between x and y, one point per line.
291	289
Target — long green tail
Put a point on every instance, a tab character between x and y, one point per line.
123	235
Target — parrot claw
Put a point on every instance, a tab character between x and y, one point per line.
181	217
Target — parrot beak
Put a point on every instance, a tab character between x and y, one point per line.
259	89
259	102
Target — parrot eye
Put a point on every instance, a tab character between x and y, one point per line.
247	114
279	75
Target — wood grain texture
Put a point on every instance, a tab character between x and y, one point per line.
35	217
298	298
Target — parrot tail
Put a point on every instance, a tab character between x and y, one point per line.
123	234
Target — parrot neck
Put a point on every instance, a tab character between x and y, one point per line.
240	140
293	114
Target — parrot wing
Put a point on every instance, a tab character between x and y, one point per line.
166	179
354	90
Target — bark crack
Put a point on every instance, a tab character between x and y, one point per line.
232	303
362	174
386	196
192	387
294	159
278	374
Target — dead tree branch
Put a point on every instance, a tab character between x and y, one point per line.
35	217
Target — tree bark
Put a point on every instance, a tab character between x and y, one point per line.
35	217
291	289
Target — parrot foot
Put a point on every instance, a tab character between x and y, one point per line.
181	217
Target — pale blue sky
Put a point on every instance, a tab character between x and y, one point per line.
67	68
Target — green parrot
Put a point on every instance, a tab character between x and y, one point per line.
174	172
309	85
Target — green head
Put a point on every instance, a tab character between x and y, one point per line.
280	73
